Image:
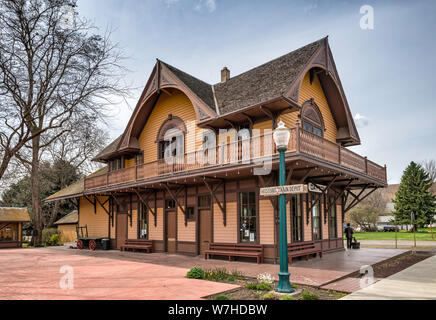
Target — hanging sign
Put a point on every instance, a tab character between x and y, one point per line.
316	189
289	189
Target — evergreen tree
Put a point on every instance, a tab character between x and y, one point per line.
413	196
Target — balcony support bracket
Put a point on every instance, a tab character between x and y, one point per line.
145	203
212	191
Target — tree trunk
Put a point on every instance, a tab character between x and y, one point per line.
36	191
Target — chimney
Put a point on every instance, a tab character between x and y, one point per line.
225	74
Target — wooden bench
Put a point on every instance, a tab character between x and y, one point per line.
138	244
235	250
302	249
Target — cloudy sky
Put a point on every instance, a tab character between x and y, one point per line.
387	72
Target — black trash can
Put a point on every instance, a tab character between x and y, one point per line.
105	244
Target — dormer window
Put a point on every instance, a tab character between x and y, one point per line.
312	118
171	138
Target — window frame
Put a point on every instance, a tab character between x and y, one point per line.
256	217
317	217
292	220
332	219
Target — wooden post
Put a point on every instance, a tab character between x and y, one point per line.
297	133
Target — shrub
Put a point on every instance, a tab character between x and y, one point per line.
269	296
221	297
195	273
287	297
47	233
306	295
258	286
55	240
251	286
217	274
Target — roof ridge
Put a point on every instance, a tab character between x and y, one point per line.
171	66
272	60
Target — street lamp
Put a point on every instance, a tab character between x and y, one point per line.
281	137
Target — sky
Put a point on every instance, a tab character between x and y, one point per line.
386	71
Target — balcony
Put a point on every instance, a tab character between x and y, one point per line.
239	153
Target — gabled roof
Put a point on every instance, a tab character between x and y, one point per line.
202	89
263	83
278	78
71	218
14	215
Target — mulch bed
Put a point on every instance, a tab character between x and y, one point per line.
247	294
398	264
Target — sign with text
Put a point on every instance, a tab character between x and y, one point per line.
316	188
278	190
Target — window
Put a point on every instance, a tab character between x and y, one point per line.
143	222
316	218
139	158
170	204
333	228
248	217
190	214
171	138
297	219
312	118
204	201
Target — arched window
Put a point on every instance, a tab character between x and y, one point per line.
312	118
171	138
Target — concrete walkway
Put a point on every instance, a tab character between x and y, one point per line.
415	282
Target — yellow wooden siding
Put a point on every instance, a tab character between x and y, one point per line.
266	221
307	227
316	92
132	231
185	233
68	232
324	223
129	162
13	229
176	104
97	223
290	119
228	233
339	220
262	126
112	227
156	233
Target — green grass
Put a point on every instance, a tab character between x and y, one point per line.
402	235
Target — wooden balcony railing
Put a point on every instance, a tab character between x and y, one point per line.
242	152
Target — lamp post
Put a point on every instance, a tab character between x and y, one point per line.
281	137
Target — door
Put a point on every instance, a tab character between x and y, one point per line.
205	229
171	231
121	231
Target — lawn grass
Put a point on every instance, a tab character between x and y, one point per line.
402	235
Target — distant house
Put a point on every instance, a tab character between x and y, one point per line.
67	226
11	226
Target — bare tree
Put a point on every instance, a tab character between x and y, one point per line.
430	167
54	72
366	213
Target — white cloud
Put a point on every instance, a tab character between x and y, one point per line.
361	121
210	5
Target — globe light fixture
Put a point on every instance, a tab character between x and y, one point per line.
281	136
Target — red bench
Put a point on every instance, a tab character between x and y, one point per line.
235	250
302	249
138	244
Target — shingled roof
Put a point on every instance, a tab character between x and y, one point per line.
71	218
14	215
263	83
112	147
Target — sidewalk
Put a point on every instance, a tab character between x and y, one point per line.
401	243
415	282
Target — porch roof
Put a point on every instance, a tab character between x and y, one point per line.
14	215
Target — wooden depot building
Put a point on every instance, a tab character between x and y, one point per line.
209	191
11	226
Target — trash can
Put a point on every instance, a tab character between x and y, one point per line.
105	244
